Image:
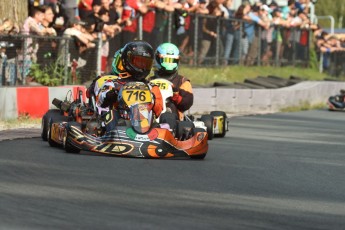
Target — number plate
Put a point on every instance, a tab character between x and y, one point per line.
162	83
133	96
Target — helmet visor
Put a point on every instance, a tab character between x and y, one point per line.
169	62
170	59
141	62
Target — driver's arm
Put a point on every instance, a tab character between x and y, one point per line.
158	100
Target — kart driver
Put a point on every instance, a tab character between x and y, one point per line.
167	57
131	63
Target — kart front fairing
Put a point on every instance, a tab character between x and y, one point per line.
125	141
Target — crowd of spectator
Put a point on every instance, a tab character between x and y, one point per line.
256	30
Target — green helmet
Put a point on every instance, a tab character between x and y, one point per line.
116	66
167	57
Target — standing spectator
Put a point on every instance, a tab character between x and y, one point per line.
48	20
47	51
84	8
182	20
116	9
252	27
81	41
303	40
279	25
8	46
161	22
149	22
92	18
228	33
69	9
209	30
266	34
240	36
113	23
131	11
292	34
33	26
107	32
33	23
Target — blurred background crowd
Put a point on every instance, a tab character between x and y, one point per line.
83	35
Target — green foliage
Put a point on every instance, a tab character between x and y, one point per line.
49	75
313	62
335	8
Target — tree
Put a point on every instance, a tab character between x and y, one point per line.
335	8
17	10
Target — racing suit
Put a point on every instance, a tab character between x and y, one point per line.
105	90
183	94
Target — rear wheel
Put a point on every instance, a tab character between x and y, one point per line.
45	121
69	148
220	114
208	121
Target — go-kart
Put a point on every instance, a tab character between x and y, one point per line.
215	123
131	131
337	102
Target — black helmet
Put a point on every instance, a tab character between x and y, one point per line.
137	59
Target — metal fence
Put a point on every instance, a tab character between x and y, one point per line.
51	60
60	60
276	46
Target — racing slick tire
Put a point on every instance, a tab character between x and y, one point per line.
208	121
69	148
45	122
51	142
54	118
198	157
223	114
184	130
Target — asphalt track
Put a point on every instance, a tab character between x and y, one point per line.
279	171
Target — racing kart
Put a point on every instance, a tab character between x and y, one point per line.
337	102
215	123
131	131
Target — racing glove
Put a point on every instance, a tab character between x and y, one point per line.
176	98
109	98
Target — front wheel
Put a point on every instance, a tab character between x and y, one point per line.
52	113
208	121
69	148
51	142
